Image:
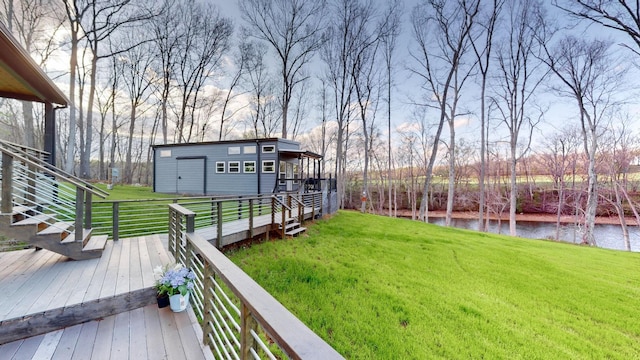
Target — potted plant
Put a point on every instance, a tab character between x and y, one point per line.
175	282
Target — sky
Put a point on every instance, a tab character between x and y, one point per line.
559	111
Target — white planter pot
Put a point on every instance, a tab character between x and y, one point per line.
178	302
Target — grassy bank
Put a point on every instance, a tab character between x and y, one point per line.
376	287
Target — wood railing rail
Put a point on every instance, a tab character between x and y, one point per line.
238	317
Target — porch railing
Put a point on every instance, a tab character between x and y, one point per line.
32	187
239	319
130	218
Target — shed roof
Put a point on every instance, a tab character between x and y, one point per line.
304	153
21	78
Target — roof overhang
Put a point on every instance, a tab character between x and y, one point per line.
303	153
21	78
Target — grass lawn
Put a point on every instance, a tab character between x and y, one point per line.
130	192
376	287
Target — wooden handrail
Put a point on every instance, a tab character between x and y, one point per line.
281	203
284	328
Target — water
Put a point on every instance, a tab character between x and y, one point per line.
607	236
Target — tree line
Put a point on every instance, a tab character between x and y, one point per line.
380	88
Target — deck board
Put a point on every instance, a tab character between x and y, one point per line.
98	276
19	276
68	342
122	279
108	288
86	340
28	347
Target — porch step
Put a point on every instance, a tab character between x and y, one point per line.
34	220
61	227
96	243
43	231
293	227
295	231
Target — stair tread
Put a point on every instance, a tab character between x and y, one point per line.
20	209
96	243
57	228
72	237
295	231
34	220
291	226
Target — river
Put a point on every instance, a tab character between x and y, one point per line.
607	236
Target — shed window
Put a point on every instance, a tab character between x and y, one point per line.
165	153
250	149
268	148
233	150
234	167
268	166
250	167
220	167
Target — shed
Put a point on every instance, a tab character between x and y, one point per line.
235	167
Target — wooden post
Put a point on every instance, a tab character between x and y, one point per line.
251	218
7	184
207	305
173	230
116	221
247	323
79	214
31	184
87	216
219	226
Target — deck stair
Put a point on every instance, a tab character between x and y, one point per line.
46	207
293	227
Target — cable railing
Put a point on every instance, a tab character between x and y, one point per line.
239	319
33	188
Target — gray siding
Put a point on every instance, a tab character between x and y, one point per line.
167	158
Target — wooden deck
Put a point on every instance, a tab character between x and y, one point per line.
144	333
43	292
238	230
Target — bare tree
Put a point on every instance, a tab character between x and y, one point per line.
240	63
389	40
483	46
294	29
338	52
95	22
590	75
441	30
556	155
206	38
167	36
136	64
520	74
619	15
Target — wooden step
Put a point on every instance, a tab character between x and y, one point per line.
34	220
71	238
290	226
96	243
61	227
295	231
